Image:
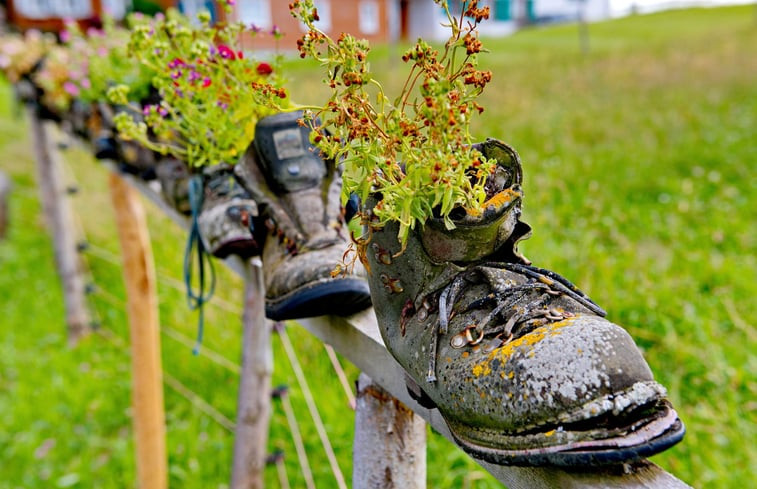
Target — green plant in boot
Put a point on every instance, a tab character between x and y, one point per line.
211	95
413	150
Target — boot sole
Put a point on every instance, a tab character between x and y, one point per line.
663	433
336	297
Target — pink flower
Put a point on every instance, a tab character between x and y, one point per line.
206	82
71	88
264	69
65	35
177	62
226	52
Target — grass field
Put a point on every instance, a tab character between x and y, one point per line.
639	161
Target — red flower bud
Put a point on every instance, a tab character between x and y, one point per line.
264	69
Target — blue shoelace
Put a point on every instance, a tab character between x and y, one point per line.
196	298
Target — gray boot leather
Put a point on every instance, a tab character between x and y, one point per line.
299	197
227	222
174	176
522	365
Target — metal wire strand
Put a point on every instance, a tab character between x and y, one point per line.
193	398
163	277
341	375
281	470
299	445
319	426
198	402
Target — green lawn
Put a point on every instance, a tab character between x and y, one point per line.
639	165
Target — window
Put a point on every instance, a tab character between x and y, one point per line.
191	8
61	9
255	12
115	8
324	12
368	17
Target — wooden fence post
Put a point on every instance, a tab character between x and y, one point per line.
390	441
254	397
141	291
59	219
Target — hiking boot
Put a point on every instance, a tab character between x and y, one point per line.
299	196
227	220
522	365
174	176
131	157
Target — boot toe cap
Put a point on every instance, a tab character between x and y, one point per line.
574	387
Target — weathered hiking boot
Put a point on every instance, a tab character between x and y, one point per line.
298	194
131	157
76	121
227	221
174	177
522	365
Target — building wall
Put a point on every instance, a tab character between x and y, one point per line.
368	19
47	15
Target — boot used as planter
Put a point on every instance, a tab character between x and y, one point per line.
173	176
227	218
522	365
298	196
131	157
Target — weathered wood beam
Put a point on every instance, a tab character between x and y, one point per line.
59	219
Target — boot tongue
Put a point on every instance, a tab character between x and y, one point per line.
286	156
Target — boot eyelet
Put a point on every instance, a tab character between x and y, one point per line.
381	254
393	285
458	341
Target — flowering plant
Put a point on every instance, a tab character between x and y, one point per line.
413	151
54	76
211	94
102	61
20	54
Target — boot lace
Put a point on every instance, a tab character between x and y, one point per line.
514	311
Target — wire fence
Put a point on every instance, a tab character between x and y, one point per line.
91	250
